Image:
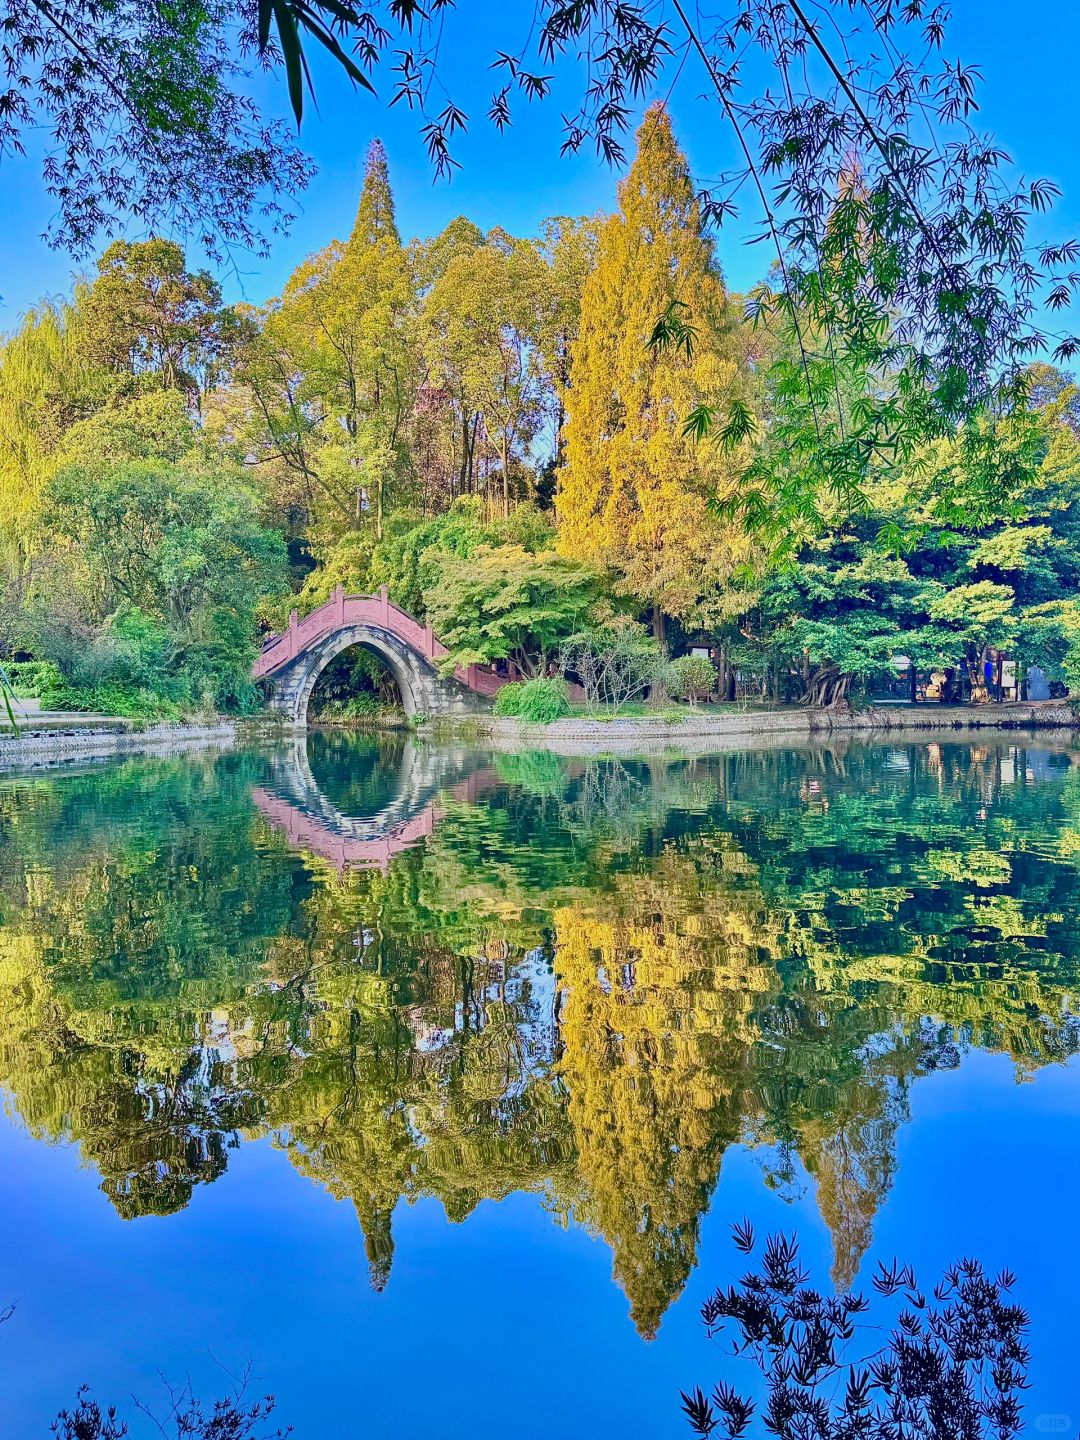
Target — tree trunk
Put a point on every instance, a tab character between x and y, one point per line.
472	452
828	687
463	468
658	628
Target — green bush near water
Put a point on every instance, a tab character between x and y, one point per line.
123	702
538	702
691	677
508	700
30	678
128	669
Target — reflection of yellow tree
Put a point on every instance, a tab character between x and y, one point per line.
845	1128
152	1131
659	984
395	1066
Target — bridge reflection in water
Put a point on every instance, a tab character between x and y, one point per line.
401	811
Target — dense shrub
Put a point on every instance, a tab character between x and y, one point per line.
362	707
122	670
508	700
125	702
130	651
135	655
691	677
29	678
538	701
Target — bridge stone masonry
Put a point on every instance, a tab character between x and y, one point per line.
290	664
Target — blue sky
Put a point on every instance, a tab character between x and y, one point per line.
1027	55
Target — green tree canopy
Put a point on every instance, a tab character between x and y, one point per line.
503	602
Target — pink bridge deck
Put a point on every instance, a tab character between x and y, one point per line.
378	611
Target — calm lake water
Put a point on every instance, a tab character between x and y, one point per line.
427	1083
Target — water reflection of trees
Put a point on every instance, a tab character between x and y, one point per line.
586	982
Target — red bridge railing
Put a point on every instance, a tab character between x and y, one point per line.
376	610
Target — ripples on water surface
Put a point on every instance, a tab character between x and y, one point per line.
277	1029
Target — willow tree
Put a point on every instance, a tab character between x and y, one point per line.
635	492
46	380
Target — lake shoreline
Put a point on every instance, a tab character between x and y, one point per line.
789	725
39	746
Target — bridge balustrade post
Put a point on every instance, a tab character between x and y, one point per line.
384	605
339	603
429	641
294	621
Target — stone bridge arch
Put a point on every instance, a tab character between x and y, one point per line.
416	687
290	664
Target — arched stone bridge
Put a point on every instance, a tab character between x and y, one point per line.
291	663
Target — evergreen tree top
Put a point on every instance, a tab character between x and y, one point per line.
658	189
375	218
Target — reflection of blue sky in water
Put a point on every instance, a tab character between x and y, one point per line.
165	955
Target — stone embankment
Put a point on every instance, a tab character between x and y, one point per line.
791	725
45	739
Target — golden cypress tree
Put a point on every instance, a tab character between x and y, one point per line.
633	493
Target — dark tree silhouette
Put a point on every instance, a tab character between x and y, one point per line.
954	1364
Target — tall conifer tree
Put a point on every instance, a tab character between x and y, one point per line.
633	494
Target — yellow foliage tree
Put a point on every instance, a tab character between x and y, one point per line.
634	491
44	373
331	369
